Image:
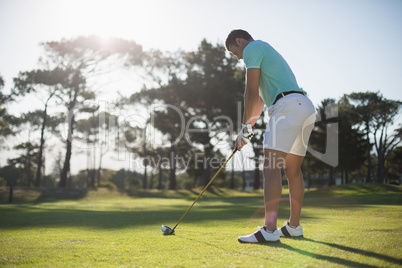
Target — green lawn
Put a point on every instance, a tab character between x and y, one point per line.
354	225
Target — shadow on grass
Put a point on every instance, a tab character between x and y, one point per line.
332	259
243	252
55	195
358	200
358	251
121	215
31	216
345	195
41	195
337	260
20	216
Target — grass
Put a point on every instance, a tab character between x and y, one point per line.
353	225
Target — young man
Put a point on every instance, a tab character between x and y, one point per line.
270	81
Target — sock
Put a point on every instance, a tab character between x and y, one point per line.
293	227
267	230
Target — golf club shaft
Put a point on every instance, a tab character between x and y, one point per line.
209	183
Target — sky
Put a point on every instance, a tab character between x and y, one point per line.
334	47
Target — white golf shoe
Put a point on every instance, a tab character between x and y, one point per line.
260	236
287	231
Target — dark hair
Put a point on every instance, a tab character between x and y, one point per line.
231	39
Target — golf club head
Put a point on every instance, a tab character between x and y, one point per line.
166	230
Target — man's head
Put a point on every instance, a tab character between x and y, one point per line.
236	41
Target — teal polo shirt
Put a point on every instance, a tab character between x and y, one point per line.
276	76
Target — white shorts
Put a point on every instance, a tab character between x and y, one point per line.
291	121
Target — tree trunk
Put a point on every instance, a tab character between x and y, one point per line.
243	185
207	167
144	180
381	152
66	166
160	176
10	195
28	168
343	176
331	177
145	161
172	177
42	143
243	173
98	176
368	177
381	169
151	181
207	171
93	171
88	177
232	179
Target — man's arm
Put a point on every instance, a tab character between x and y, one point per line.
253	103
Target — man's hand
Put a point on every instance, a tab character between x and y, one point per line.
244	136
239	143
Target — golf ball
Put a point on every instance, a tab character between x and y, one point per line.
163	229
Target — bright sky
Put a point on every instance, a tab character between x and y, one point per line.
334	47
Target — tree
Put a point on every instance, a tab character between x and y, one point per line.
11	174
385	143
39	119
168	117
377	116
394	164
318	137
123	178
25	162
215	86
202	89
89	130
352	142
364	105
85	58
50	82
7	121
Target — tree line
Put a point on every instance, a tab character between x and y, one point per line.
196	98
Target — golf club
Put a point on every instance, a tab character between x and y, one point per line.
168	230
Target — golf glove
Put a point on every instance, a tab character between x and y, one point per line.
246	132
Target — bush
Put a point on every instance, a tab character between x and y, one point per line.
49	181
108	185
133	183
183	182
3	182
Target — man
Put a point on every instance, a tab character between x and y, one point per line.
270	82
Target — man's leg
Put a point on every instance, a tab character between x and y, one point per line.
296	186
273	162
